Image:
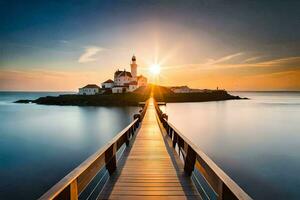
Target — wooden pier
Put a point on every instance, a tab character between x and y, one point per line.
150	167
148	171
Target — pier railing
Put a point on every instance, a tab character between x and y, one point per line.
222	186
72	185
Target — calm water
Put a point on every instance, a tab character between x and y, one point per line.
40	144
257	141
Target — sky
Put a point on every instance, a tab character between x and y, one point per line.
232	44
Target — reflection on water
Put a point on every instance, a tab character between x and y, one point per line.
257	141
40	144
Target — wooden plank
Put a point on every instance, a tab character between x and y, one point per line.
147	181
177	184
152	193
148	170
134	197
150	188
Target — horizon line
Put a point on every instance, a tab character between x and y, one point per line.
57	91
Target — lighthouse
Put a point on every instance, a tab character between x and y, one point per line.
133	66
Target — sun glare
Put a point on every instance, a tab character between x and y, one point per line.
154	69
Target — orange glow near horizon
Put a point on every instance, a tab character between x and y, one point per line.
229	79
271	74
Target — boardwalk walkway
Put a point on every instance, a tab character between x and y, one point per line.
149	169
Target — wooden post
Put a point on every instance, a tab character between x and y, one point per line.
219	190
137	116
227	194
128	136
189	161
132	129
110	159
165	124
175	139
69	193
74	190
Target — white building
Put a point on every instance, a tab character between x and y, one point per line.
181	89
133	85
124	81
122	78
107	84
129	80
90	89
119	89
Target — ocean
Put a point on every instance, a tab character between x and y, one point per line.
256	141
41	144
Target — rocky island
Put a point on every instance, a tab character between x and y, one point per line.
160	93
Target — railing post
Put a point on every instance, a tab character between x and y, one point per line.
69	193
137	116
190	160
74	190
169	131
226	193
175	137
110	159
164	123
128	136
132	130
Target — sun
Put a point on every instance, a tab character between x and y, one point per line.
155	69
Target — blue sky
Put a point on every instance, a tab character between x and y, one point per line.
219	42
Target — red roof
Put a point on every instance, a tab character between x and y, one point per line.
122	73
132	83
109	81
91	86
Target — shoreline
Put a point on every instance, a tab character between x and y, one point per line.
130	99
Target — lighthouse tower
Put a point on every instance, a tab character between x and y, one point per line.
133	66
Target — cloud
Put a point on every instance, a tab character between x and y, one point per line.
287	61
273	74
89	54
223	59
284	63
236	61
209	64
252	59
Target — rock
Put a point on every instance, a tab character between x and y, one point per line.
23	101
